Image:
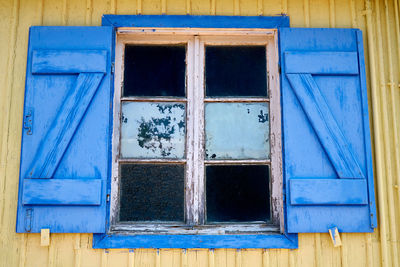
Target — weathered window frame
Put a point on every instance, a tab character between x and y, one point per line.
272	240
195	41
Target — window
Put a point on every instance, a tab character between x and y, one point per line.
196	141
68	174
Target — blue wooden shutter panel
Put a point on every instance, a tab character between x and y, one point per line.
327	154
62	178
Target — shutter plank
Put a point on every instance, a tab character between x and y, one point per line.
68	61
62	129
328	192
327	63
62	192
325	126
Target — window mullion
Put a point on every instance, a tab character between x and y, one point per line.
190	179
199	200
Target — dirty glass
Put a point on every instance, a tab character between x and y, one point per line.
237	131
153	130
151	192
235	71
154	70
237	193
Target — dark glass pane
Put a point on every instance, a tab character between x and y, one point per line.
235	71
237	193
154	70
151	192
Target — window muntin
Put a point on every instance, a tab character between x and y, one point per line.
195	161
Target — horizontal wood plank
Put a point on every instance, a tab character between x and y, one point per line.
328	192
62	192
68	61
328	63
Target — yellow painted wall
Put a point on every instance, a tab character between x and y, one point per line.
379	21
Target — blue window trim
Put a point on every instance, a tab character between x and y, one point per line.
195	241
103	241
171	21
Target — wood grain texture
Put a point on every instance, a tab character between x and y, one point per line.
324	124
62	192
328	192
64	126
323	129
323	63
72	61
24	249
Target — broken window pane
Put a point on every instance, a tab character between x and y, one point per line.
154	70
237	193
153	130
236	71
237	131
151	192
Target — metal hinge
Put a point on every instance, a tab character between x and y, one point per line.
28	120
112	67
28	219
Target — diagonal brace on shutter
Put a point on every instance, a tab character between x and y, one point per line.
325	126
63	127
91	67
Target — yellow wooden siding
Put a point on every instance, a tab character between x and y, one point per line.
379	21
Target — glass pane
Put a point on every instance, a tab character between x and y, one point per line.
153	70
150	192
237	193
237	130
153	130
236	71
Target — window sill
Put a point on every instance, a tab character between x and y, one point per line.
272	240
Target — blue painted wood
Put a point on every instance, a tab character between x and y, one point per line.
367	135
71	134
62	192
288	241
305	141
69	61
327	63
328	192
325	126
185	21
62	129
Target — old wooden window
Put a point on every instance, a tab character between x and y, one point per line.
196	141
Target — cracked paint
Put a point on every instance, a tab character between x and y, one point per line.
153	130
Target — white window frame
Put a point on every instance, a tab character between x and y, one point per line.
196	40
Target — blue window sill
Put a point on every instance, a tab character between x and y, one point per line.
102	241
273	240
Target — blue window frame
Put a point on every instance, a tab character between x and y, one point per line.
205	241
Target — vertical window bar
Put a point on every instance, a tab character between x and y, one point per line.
119	66
190	179
198	174
275	133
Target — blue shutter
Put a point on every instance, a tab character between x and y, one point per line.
65	152
326	138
